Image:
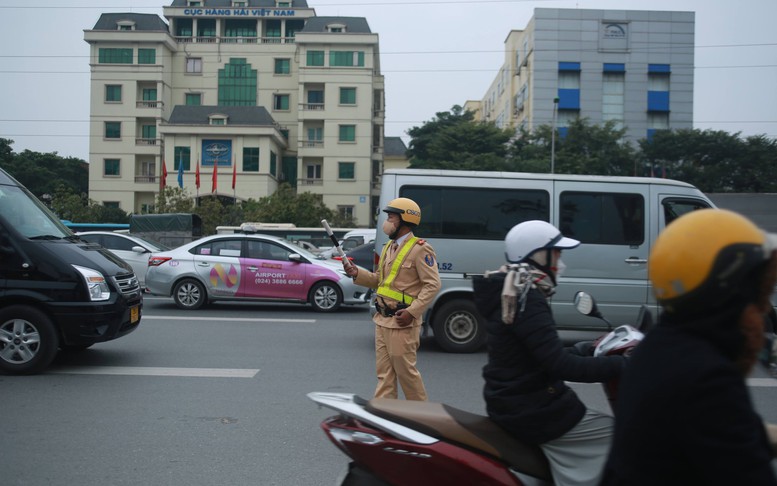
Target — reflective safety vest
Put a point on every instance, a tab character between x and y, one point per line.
385	289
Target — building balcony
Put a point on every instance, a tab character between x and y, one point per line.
234	40
311	144
149	104
312	106
310	182
146	179
148	142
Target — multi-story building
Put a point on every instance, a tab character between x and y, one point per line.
632	67
258	91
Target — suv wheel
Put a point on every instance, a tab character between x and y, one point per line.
28	340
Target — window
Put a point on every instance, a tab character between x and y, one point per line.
313	171
194	65
237	84
148	132
282	66
193	99
280	102
347	133
569	85
108	55
658	87
112	93
266	250
146	56
273	31
316	134
347	96
273	163
613	97
182	155
603	218
206	28
112	167
149	94
315	97
183	27
315	58
335	28
126	25
449	212
220	247
218	120
346	170
113	130
250	159
346	58
676	207
346	212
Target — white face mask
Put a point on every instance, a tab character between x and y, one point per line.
389	228
560	267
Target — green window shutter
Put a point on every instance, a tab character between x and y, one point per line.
315	58
113	92
149	94
360	58
250	159
148	131
273	163
346	170
237	84
347	96
107	55
112	167
112	129
182	155
347	133
282	66
146	56
193	99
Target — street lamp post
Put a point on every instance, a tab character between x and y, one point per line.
553	137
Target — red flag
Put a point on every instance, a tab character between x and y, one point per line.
164	174
215	176
197	175
234	175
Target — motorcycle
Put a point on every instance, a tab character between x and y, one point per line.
400	442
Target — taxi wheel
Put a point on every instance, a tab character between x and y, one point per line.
325	297
28	340
189	294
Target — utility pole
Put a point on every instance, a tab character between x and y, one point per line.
553	137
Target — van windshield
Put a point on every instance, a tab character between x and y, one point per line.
29	216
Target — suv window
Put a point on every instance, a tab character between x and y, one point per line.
603	218
676	207
475	213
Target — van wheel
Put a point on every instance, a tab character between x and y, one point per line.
189	294
458	327
325	297
28	340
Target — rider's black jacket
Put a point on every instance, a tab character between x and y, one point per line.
527	365
684	413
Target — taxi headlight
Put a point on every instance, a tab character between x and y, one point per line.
95	283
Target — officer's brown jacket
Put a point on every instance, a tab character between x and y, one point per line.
417	277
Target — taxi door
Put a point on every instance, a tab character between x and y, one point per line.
218	265
269	274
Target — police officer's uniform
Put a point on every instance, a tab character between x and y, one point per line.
409	274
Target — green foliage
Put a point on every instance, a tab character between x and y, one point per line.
174	200
78	208
43	173
284	206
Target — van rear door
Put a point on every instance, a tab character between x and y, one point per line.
611	220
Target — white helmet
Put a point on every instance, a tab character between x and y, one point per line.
526	238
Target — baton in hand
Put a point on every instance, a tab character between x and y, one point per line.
336	243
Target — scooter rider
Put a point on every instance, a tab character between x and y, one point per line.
406	281
524	390
684	413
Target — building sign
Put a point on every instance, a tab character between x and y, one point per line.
614	36
614	31
217	152
239	12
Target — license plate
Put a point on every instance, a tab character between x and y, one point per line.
134	314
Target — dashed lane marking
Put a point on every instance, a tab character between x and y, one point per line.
150	371
765	382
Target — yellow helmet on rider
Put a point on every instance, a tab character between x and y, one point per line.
706	258
409	212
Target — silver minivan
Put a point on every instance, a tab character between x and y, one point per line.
466	215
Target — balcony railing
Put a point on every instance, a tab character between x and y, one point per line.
311	182
145	179
311	143
234	40
149	104
147	141
313	106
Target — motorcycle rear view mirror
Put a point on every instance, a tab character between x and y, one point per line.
586	305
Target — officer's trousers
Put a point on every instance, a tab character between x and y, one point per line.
395	361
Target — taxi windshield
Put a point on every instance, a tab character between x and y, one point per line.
29	216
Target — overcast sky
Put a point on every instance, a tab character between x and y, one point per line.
434	54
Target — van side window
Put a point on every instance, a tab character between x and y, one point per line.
475	213
676	207
603	218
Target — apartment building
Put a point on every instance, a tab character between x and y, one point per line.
231	98
632	67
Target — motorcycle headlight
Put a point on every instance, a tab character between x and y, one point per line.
95	283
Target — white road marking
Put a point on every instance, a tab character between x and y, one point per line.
235	319
765	382
149	371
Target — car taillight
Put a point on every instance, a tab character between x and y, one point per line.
155	261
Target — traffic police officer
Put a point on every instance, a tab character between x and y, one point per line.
406	281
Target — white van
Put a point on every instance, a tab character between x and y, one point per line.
465	216
351	240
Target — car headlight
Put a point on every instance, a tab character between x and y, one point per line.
95	283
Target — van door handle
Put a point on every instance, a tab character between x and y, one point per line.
635	260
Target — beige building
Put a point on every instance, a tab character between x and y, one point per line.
261	91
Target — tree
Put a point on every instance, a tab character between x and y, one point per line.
173	200
284	206
453	140
43	173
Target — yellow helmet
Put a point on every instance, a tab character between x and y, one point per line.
407	209
706	257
